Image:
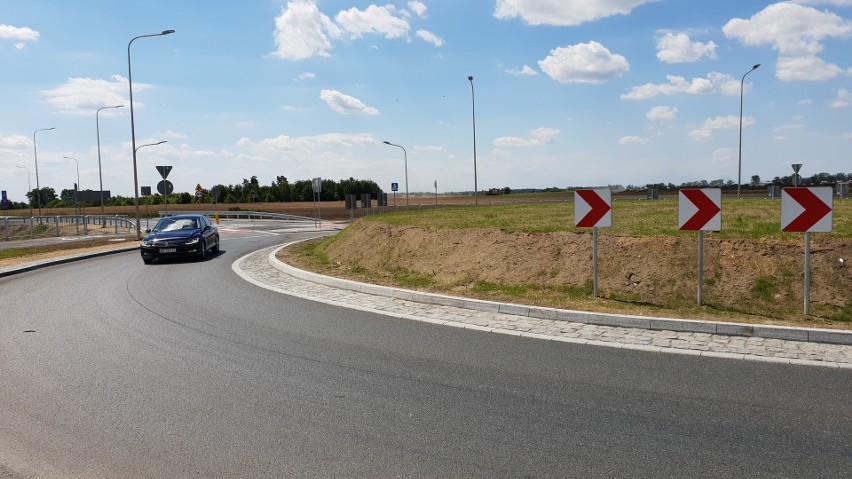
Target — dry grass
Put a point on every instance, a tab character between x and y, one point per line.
25	255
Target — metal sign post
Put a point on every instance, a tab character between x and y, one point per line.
593	208
807	298
807	210
317	188
165	187
700	267
700	210
595	261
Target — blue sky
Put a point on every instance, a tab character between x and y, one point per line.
568	92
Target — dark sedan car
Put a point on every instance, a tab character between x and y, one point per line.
179	236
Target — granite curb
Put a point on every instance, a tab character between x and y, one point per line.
813	335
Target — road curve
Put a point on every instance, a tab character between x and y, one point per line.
110	368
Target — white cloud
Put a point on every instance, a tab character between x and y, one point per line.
678	48
174	135
418	8
525	71
839	3
789	28
81	96
725	155
563	12
843	99
434	149
662	113
21	34
306	76
583	63
726	84
374	20
430	37
705	131
345	104
633	140
796	31
715	81
16	141
804	68
309	143
302	31
538	137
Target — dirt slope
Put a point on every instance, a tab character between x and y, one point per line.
756	277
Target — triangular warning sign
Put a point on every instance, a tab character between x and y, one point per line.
164	171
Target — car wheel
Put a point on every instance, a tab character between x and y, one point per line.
215	248
203	254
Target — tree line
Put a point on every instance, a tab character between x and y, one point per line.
249	191
281	190
819	179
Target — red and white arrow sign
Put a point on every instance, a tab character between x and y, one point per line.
807	210
700	210
593	208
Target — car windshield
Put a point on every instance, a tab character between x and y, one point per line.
172	224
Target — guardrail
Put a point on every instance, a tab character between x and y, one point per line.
238	215
21	227
361	212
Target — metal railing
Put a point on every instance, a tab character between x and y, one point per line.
360	212
238	215
23	227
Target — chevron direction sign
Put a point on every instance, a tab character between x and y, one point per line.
593	208
807	210
700	209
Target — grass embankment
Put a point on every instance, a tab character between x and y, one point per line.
46	251
532	254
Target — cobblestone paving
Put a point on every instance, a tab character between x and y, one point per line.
256	269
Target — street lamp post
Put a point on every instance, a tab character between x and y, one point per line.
150	144
405	154
29	186
77	184
133	127
740	167
35	154
100	170
473	109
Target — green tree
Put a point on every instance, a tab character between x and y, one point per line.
48	195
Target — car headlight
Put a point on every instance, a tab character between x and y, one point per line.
147	243
192	240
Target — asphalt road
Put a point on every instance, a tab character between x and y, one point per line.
110	368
